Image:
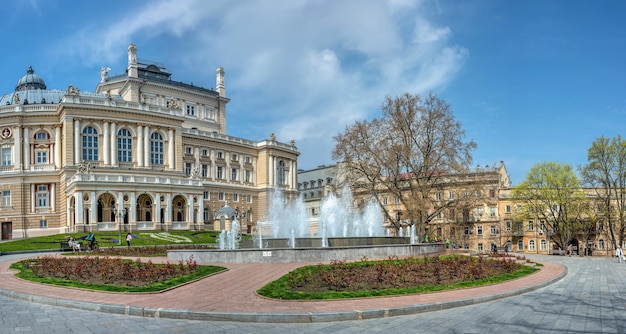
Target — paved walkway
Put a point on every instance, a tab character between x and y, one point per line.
231	296
589	299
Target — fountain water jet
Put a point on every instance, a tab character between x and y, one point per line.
340	232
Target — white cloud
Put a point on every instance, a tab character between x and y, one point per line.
302	69
425	33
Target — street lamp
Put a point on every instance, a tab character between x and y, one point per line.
119	223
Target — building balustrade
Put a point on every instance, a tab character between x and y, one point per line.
91	177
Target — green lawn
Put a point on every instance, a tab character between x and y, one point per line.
111	239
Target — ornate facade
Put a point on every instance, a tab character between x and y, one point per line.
143	152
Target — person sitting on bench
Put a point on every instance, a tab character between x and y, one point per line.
74	244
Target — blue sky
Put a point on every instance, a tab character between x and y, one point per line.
530	81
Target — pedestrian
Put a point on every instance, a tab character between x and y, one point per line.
129	237
569	250
619	254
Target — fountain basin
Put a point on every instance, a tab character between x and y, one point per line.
304	254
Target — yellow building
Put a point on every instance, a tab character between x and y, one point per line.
482	215
143	152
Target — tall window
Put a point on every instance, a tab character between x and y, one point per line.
281	173
187	168
205	170
233	174
124	146
41	157
248	176
42	195
191	110
90	144
6	198
156	149
6	156
220	172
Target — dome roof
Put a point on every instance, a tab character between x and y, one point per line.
30	81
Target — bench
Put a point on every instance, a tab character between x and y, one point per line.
65	247
557	252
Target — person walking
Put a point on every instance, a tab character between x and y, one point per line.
619	254
129	237
569	250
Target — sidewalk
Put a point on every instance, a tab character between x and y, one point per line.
231	296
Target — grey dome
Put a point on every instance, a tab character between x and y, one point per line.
30	81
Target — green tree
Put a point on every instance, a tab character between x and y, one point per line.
552	192
408	153
606	173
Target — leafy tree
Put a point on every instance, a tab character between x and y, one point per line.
606	173
552	192
408	153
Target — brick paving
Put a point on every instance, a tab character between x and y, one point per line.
233	292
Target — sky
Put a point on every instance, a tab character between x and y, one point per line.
529	81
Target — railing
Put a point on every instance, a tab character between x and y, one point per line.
134	179
144	225
107	226
42	167
179	225
42	209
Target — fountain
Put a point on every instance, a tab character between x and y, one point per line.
340	232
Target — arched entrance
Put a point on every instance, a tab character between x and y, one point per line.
106	203
144	208
179	206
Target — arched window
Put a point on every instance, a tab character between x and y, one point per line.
90	144
124	146
281	173
156	149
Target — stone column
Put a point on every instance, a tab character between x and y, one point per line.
78	211
140	145
132	218
33	197
77	149
200	219
113	144
170	149
26	149
94	208
146	146
17	147
53	203
168	209
106	140
189	210
57	147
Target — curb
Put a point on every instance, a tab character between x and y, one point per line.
265	317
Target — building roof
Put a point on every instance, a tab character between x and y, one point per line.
30	81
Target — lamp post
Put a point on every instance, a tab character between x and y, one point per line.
119	223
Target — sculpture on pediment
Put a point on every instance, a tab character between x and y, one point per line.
16	98
272	137
104	73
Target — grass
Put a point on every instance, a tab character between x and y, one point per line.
111	239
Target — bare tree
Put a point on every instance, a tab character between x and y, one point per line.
606	172
409	154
